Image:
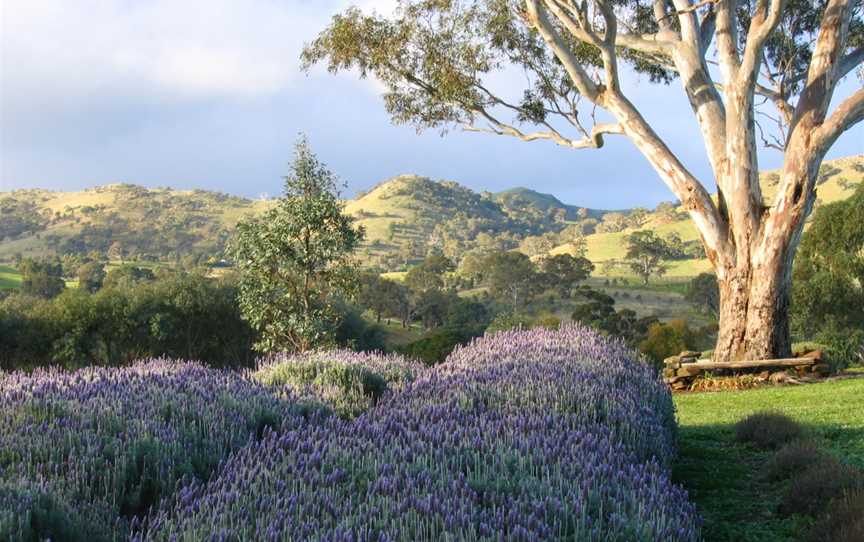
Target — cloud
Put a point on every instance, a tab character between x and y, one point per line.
166	48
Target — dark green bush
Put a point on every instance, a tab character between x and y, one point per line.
435	346
664	340
795	458
31	514
768	430
843	520
810	492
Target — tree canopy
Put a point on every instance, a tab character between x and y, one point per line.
646	254
295	261
828	290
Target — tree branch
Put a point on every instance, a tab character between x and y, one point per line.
704	99
764	21
822	72
593	141
727	38
846	65
537	17
849	113
706	30
660	43
809	136
688	20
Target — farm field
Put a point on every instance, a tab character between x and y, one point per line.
723	476
9	277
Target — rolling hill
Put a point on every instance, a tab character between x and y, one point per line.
837	181
150	223
404	217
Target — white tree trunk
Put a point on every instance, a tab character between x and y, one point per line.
750	243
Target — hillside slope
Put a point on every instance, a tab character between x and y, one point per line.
404	218
407	215
837	181
157	223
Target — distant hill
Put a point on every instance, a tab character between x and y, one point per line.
519	198
837	180
404	218
124	219
406	215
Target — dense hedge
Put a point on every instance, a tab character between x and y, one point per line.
82	454
537	435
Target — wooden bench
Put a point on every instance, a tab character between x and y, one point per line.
681	370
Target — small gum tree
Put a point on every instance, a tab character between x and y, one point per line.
295	261
733	58
646	254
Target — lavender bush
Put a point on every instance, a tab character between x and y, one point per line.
348	382
83	454
532	435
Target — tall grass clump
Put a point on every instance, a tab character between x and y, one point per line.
348	382
524	435
84	454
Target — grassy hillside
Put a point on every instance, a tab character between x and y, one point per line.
9	277
404	217
122	219
838	180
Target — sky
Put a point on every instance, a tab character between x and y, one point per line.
209	94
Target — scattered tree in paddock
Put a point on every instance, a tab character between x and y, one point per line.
646	254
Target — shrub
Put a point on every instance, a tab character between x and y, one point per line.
434	346
666	340
795	458
348	382
549	321
99	447
767	430
810	492
483	447
843	520
845	347
509	320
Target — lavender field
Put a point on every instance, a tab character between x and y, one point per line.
522	435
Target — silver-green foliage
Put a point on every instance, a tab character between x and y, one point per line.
295	260
348	382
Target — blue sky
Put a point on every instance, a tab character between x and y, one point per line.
208	94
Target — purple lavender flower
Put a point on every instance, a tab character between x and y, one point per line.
88	451
531	435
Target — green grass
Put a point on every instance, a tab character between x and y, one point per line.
722	476
397	335
9	277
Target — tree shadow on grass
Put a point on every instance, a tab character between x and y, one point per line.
724	480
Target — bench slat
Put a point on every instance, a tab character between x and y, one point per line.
787	362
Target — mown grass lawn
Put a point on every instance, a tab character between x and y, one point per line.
723	477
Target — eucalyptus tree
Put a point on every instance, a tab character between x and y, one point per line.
295	262
737	61
646	254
